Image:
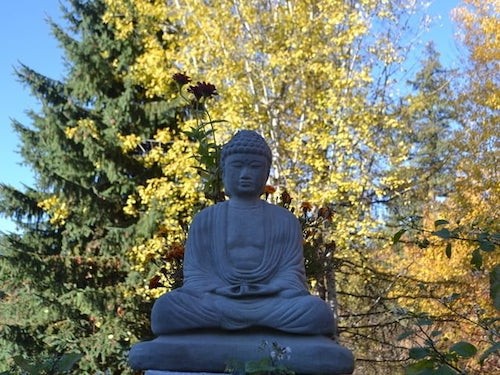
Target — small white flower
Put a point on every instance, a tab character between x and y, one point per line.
288	352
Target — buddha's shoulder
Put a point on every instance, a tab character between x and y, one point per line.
209	211
279	211
271	209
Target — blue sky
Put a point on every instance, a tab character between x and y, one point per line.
25	38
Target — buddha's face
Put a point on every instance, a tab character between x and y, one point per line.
245	175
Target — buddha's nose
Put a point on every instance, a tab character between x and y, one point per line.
244	174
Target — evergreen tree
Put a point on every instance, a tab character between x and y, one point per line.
429	112
448	253
66	281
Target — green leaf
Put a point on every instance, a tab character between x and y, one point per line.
215	122
477	259
443	233
445	370
67	361
260	366
424	243
495	286
235	367
486	245
492	349
424	321
448	250
436	333
422	367
452	298
25	365
418	353
405	334
440	222
464	349
397	235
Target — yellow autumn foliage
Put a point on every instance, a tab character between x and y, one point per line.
301	73
175	195
84	129
57	210
129	142
479	25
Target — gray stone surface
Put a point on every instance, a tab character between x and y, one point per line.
210	351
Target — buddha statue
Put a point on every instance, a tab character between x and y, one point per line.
243	264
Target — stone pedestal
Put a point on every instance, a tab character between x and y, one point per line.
210	351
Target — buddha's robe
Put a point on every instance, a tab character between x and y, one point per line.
219	292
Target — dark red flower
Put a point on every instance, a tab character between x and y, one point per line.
286	199
176	251
325	213
181	78
268	189
306	206
154	282
203	90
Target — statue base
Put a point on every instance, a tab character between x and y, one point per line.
210	351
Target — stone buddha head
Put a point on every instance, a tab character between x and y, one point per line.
245	162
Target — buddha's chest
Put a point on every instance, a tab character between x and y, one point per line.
245	240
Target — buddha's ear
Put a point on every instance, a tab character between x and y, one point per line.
226	188
221	169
